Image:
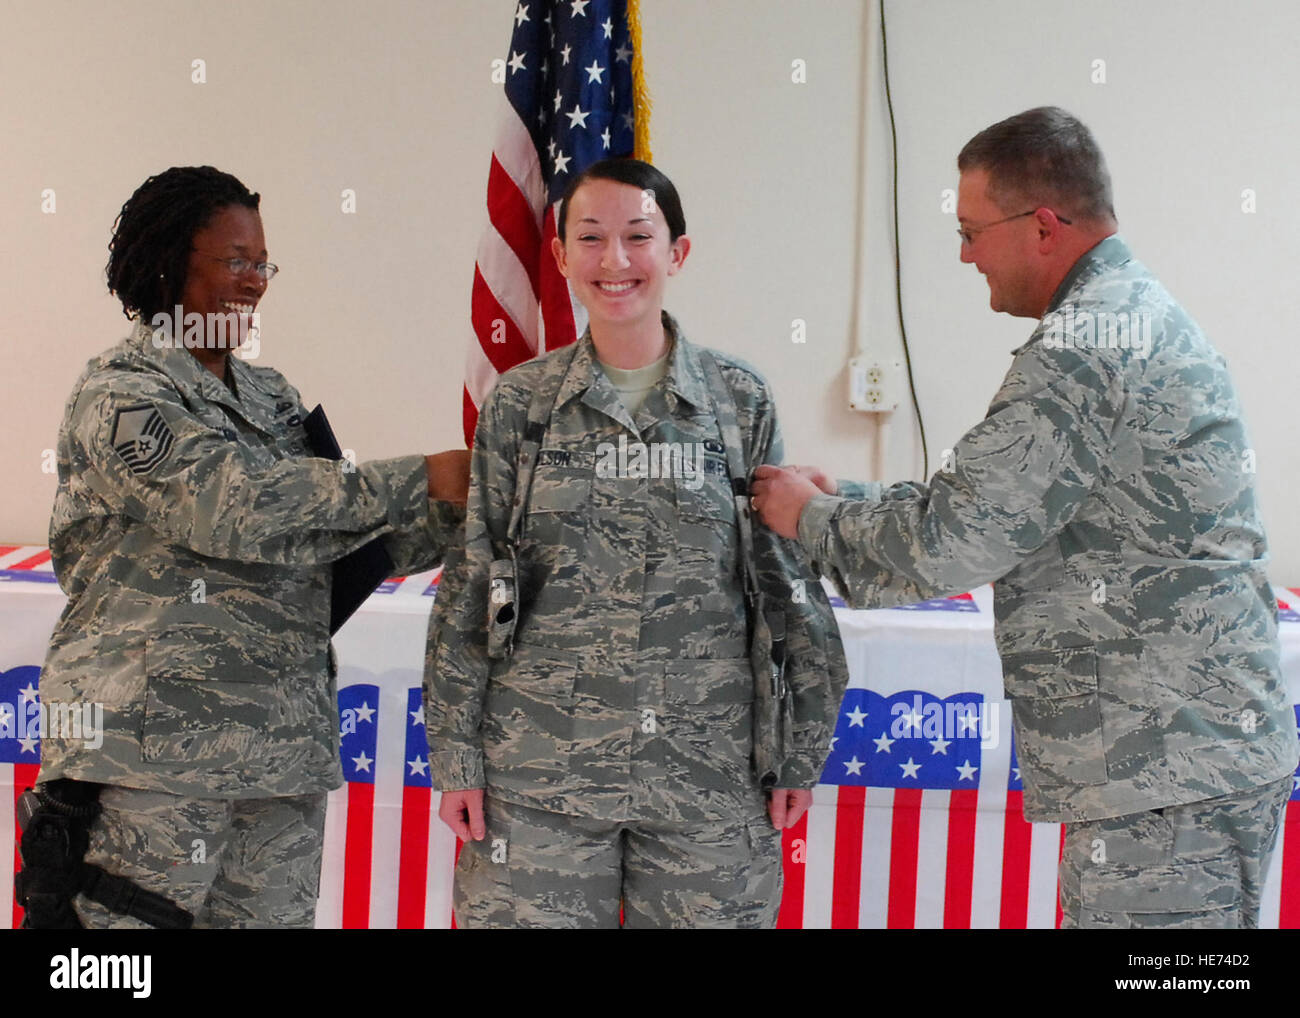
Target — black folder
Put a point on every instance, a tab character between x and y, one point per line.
357	574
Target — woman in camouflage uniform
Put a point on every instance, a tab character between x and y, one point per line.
593	741
194	533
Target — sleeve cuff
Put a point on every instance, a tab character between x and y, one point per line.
813	521
454	770
407	481
803	768
860	490
424	545
445	520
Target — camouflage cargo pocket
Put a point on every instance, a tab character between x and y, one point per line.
708	723
1191	896
207	700
1057	715
528	716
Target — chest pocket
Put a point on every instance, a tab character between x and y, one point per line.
706	515
559	506
552	550
260	450
559	490
561	485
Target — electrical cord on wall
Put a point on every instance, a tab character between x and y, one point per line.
898	265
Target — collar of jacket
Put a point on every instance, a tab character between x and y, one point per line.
685	377
1108	253
253	403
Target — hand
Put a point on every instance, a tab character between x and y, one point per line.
449	475
786	805
819	477
778	495
459	806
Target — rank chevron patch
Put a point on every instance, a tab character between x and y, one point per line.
141	437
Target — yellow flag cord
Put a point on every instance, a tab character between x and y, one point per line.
640	93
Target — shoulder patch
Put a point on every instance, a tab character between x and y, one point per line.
141	437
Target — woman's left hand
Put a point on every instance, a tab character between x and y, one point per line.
786	805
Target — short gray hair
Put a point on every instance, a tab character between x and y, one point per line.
1044	156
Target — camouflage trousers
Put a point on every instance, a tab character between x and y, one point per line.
232	863
1197	866
548	870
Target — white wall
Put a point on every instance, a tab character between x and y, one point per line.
394	99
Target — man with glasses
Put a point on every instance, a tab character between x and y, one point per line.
1109	494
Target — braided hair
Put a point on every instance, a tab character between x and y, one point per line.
149	252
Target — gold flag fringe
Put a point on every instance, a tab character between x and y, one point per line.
641	104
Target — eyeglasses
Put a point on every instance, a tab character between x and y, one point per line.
967	233
238	266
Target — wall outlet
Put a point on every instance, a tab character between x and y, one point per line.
875	384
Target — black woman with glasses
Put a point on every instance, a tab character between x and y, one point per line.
194	532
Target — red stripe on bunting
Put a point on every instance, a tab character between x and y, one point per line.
962	807
1289	914
1060	853
39	559
1016	837
413	857
357	851
24	778
904	840
794	856
846	884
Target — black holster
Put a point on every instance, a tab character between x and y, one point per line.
55	821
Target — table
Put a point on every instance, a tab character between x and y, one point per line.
925	833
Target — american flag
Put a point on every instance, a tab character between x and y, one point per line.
20	759
1287	608
25	564
954	603
570	101
909	827
1283	910
383	836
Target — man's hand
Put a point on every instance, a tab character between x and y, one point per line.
778	495
786	805
818	476
458	807
449	475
